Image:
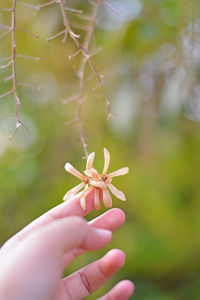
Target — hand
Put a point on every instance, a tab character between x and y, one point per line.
33	260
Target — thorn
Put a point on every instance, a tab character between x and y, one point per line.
64	101
65	37
27	32
39	88
28	5
74	10
8	78
115	10
7	65
28	57
6	94
5	26
56	35
84	17
5	33
73	55
5	59
17	100
6	9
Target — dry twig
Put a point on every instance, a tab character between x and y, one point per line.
86	57
12	62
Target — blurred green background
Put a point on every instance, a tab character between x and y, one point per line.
150	59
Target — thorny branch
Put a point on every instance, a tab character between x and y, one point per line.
86	57
12	62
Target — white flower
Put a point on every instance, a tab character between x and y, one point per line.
92	180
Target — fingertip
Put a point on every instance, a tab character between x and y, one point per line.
122	290
120	214
112	262
126	287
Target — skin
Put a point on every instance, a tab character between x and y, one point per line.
32	262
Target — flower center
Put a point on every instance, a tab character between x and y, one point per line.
86	180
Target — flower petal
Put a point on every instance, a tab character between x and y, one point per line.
92	173
117	193
106	161
69	168
119	172
83	203
96	199
86	191
98	184
90	160
73	191
107	199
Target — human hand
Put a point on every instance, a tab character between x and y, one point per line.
33	260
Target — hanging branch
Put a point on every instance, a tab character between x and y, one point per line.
86	57
12	62
81	72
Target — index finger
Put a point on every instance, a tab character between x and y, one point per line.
71	207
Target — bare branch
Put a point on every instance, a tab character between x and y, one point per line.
37	7
6	9
9	78
94	52
64	101
47	4
6	94
99	78
12	61
14	76
79	26
5	33
18	125
56	35
5	59
86	57
7	65
39	88
84	17
27	57
5	26
74	10
114	9
28	5
27	32
75	54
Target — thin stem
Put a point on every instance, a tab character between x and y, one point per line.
5	33
109	5
6	9
27	32
27	57
56	35
5	59
81	72
17	102
6	94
